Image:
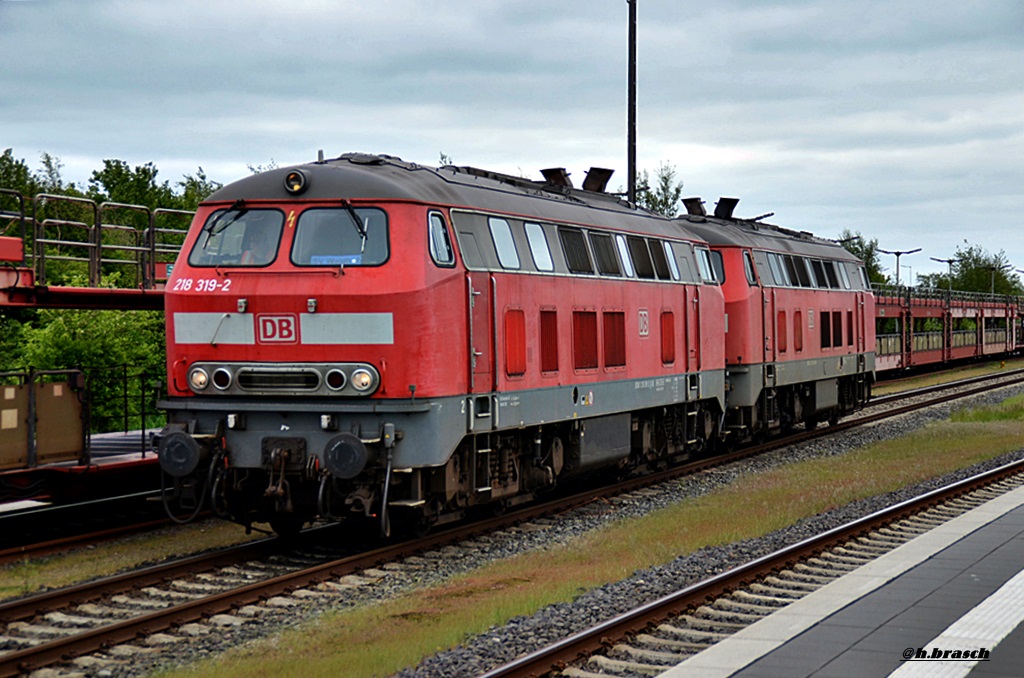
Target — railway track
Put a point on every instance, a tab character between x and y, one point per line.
655	637
57	525
222	588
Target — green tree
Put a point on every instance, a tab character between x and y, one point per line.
48	178
15	174
117	182
974	269
103	343
195	188
664	195
865	250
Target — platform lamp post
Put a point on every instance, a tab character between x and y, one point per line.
898	253
992	270
948	262
631	106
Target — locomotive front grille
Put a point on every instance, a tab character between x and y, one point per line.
283	380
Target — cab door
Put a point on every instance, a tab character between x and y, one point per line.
480	291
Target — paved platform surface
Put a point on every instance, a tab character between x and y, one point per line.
958	588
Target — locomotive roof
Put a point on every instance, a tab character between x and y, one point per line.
761	235
383	177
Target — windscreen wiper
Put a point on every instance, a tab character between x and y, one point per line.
358	223
239	210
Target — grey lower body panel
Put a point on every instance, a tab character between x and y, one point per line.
746	382
427	430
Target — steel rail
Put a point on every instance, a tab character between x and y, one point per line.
579	646
59	650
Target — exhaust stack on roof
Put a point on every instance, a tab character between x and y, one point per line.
695	207
725	207
557	176
597	179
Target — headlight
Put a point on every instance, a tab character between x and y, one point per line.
362	380
198	379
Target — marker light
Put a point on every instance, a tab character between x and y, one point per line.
295	182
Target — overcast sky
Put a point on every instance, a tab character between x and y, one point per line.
903	119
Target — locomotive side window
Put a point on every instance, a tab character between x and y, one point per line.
778	270
798	331
505	246
539	246
844	275
748	268
830	273
837	328
683	257
658	257
238	237
819	273
641	257
671	261
440	245
707	273
577	258
620	243
341	236
718	266
604	254
782	334
797	269
826	329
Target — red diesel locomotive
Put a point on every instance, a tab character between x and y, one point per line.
800	330
369	338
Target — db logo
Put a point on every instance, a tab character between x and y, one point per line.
277	329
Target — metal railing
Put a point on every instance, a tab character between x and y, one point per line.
50	416
889	292
93	240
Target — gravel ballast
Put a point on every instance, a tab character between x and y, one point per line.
525	634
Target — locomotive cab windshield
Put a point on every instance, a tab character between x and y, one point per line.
239	237
341	236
